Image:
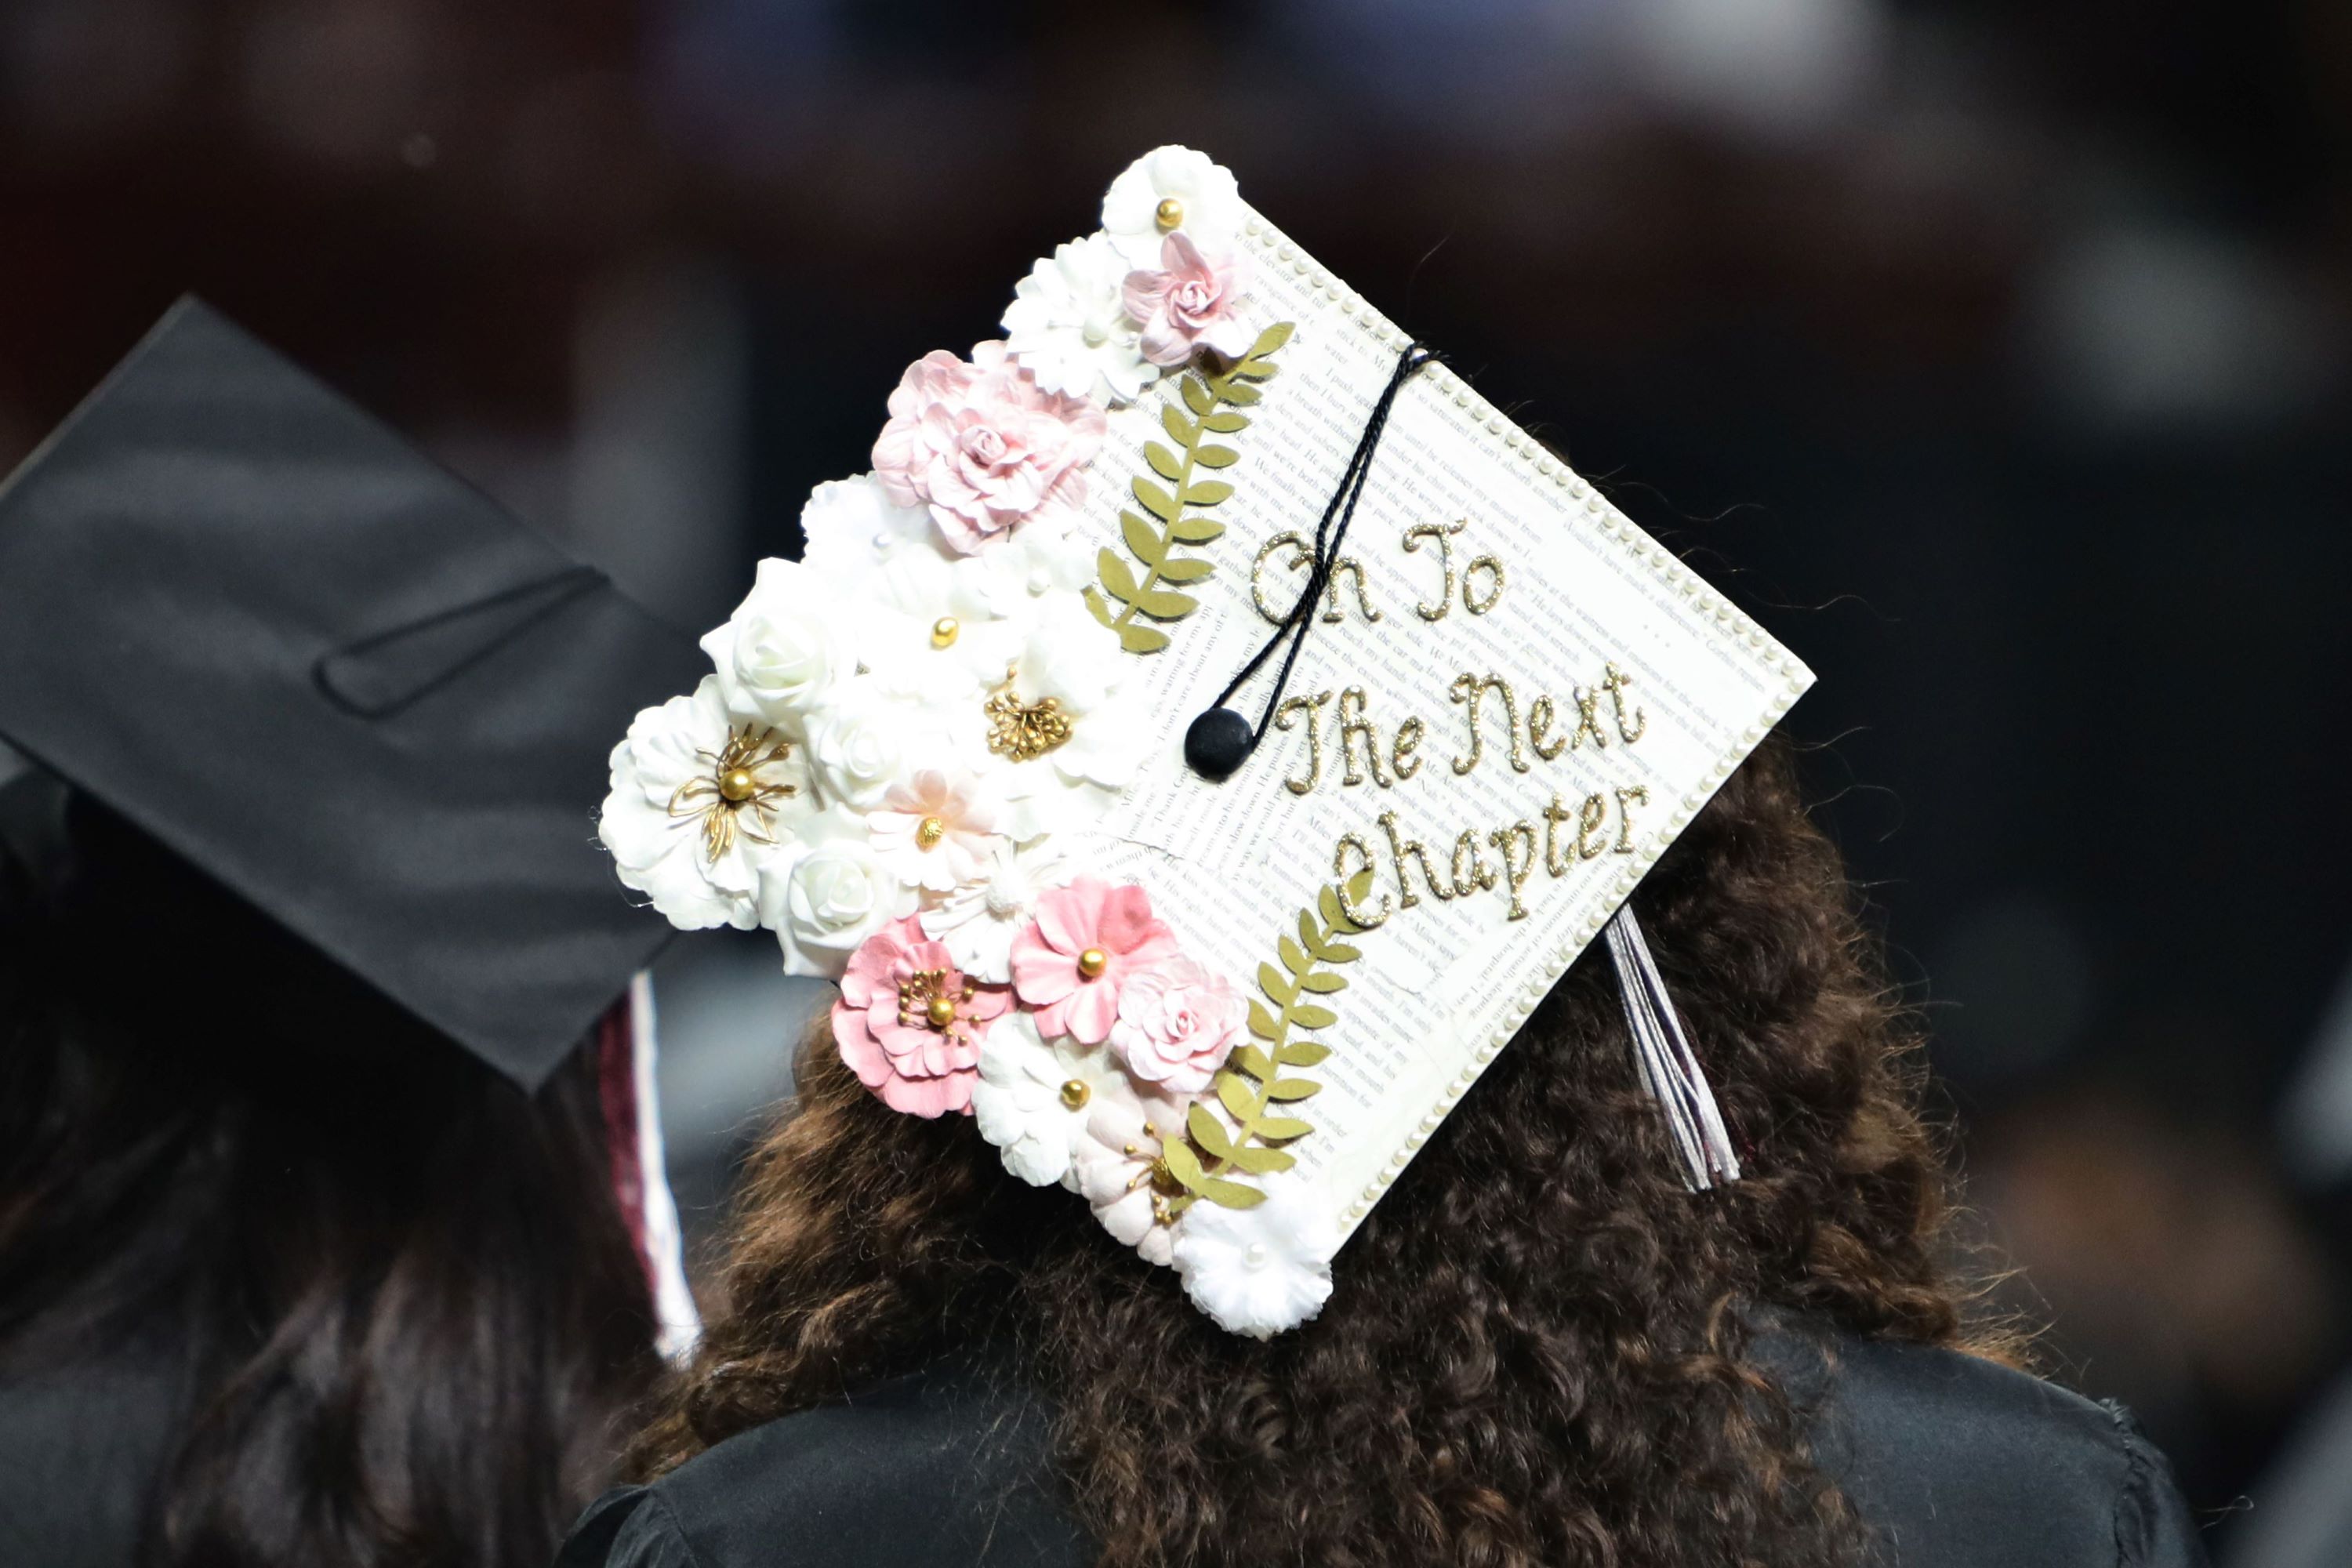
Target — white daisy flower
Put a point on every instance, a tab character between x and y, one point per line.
1067	328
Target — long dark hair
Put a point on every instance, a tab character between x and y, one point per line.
401	1305
1539	1346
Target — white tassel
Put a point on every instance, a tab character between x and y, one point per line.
1669	1069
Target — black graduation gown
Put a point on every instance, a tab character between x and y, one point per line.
80	1448
1952	1461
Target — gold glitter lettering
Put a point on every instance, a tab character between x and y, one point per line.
1257	571
1471	690
1470	599
1590	819
1616	680
1539	736
1444	533
1341	872
1401	847
1554	815
1349	566
1401	757
1470	872
1627	798
1588	718
1312	707
1517	843
1352	726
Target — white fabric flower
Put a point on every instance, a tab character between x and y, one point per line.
935	830
1208	204
1067	328
1035	1098
976	922
1021	578
828	893
657	820
850	525
785	649
894	582
1115	1167
1073	659
1258	1271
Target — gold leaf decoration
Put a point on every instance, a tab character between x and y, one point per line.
1152	535
1260	1086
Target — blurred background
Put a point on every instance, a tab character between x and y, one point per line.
1993	353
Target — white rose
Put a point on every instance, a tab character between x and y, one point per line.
861	744
831	895
785	649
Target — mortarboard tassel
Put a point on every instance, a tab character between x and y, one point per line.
1669	1068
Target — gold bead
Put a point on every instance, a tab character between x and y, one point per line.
929	832
944	630
1093	961
942	1012
1075	1094
738	785
1167	214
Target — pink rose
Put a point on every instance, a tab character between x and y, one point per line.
1177	1024
982	445
1188	303
1087	941
919	1057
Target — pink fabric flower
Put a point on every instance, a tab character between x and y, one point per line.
884	1022
1189	302
982	445
1049	967
1177	1024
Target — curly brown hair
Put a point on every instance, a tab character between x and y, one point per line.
1539	1346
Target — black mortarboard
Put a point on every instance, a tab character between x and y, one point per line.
338	681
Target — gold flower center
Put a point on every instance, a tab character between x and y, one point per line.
1093	961
1075	1094
1167	214
1024	731
944	630
736	794
929	832
926	1000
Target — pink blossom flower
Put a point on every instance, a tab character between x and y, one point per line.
1087	941
1188	303
910	1024
982	445
1176	1025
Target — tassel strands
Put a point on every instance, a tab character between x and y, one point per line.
1670	1070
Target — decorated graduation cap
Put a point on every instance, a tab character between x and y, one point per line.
1200	742
336	681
